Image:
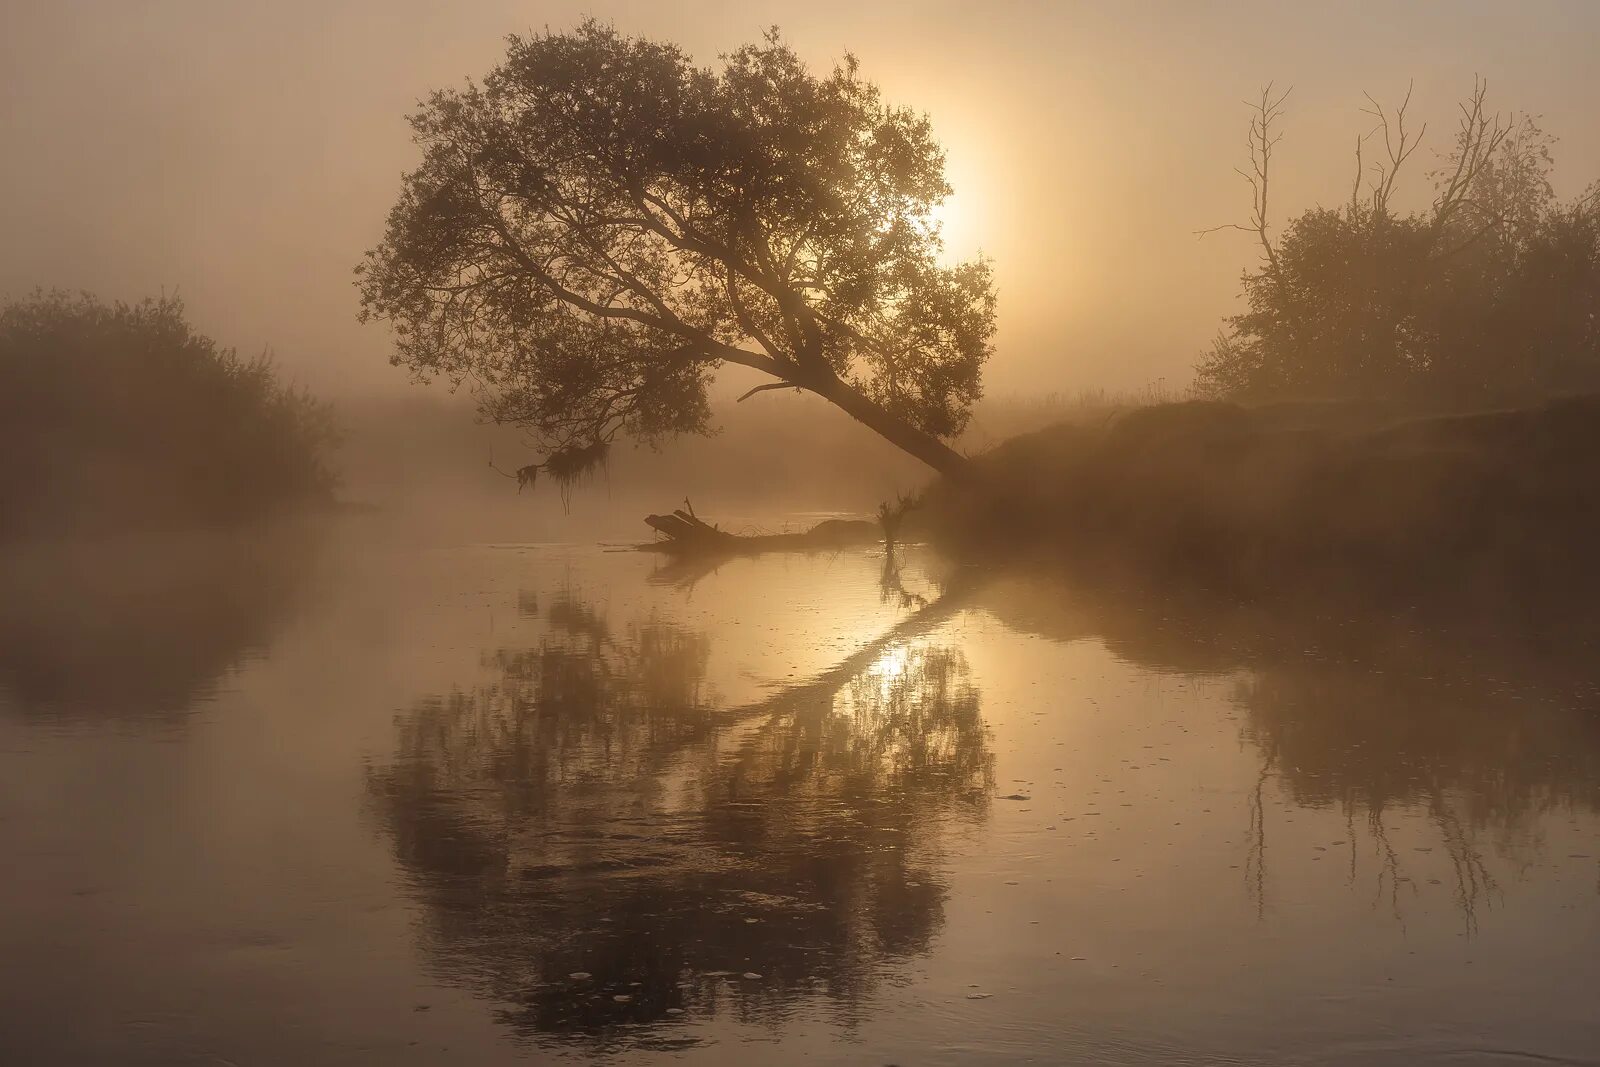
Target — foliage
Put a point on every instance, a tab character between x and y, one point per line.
1491	295
121	415
600	225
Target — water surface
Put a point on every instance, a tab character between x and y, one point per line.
327	799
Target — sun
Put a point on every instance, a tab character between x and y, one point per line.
962	217
952	221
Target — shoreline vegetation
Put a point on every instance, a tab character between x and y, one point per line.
1342	501
121	418
1348	503
625	259
658	257
1353	503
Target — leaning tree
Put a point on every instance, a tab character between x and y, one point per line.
601	225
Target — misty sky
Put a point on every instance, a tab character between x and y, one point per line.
245	155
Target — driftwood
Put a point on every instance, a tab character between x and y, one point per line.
685	533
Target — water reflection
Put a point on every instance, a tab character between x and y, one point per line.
1480	759
135	628
1469	740
598	840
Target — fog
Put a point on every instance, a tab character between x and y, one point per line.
619	566
245	156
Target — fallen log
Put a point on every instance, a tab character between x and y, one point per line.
685	534
685	528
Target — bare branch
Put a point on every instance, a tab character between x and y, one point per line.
1260	141
1225	226
1478	137
763	388
1398	146
1355	183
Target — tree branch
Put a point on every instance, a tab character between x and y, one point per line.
763	388
746	323
1260	141
1398	145
1478	137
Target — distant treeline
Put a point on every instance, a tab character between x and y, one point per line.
1489	296
119	416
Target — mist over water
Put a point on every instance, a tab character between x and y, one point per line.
464	803
623	533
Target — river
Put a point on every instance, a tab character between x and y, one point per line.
339	799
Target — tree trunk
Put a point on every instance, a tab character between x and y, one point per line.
926	447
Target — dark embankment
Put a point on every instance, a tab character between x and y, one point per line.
1339	501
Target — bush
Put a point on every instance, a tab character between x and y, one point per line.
1489	297
121	416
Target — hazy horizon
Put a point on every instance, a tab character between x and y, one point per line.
245	158
794	643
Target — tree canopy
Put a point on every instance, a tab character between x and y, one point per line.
1489	294
600	224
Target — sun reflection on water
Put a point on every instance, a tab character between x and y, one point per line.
891	665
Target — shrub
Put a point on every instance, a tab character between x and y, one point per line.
116	416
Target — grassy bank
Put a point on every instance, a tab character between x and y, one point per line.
1502	506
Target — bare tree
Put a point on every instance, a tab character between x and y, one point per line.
1260	141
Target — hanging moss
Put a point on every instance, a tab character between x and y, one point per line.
567	467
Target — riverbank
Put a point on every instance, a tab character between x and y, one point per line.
1334	500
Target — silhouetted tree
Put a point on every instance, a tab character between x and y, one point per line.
600	225
1489	294
121	415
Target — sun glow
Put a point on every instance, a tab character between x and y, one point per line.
957	228
965	218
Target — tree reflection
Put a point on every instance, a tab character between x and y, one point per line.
1377	739
598	841
135	628
1478	735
